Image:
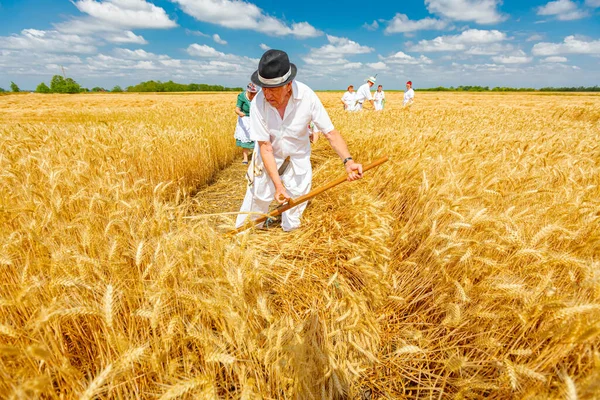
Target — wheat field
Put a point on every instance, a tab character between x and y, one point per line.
466	267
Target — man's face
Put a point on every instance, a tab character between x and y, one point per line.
278	96
370	83
351	89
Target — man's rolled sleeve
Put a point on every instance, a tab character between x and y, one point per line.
258	126
320	116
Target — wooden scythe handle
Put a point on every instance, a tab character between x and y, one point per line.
294	202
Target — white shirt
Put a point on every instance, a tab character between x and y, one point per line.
364	93
289	136
349	99
409	96
379	96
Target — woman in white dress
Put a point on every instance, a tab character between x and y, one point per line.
379	98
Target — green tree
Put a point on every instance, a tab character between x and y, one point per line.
71	86
117	89
2	90
57	84
98	89
14	87
42	88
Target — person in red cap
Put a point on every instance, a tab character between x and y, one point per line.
279	118
409	95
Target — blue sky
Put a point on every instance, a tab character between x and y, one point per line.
431	42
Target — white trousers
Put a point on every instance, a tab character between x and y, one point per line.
296	186
378	105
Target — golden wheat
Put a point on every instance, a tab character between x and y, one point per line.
467	267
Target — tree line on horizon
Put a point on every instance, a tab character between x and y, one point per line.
60	84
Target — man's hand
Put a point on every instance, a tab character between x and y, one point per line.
281	194
354	170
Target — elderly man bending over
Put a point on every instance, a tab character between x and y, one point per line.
278	119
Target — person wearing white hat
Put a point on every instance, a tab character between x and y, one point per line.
364	93
279	118
379	98
349	99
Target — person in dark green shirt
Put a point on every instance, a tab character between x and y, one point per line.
242	129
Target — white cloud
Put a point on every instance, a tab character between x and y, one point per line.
190	32
401	24
570	45
403	58
378	66
218	39
353	65
138	54
113	20
48	42
237	14
592	3
92	27
126	13
264	47
564	10
555	59
519	57
534	38
206	52
202	50
304	30
479	11
463	41
489	49
125	37
372	26
335	51
330	61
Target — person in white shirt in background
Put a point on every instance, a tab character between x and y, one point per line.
279	120
349	99
364	93
409	95
379	98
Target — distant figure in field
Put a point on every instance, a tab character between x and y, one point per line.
364	93
379	98
409	95
349	99
242	129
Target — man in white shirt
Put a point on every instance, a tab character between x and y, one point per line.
349	99
409	95
364	93
279	117
379	98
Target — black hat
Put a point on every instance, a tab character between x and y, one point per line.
274	70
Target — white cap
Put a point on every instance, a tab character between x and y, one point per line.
371	79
